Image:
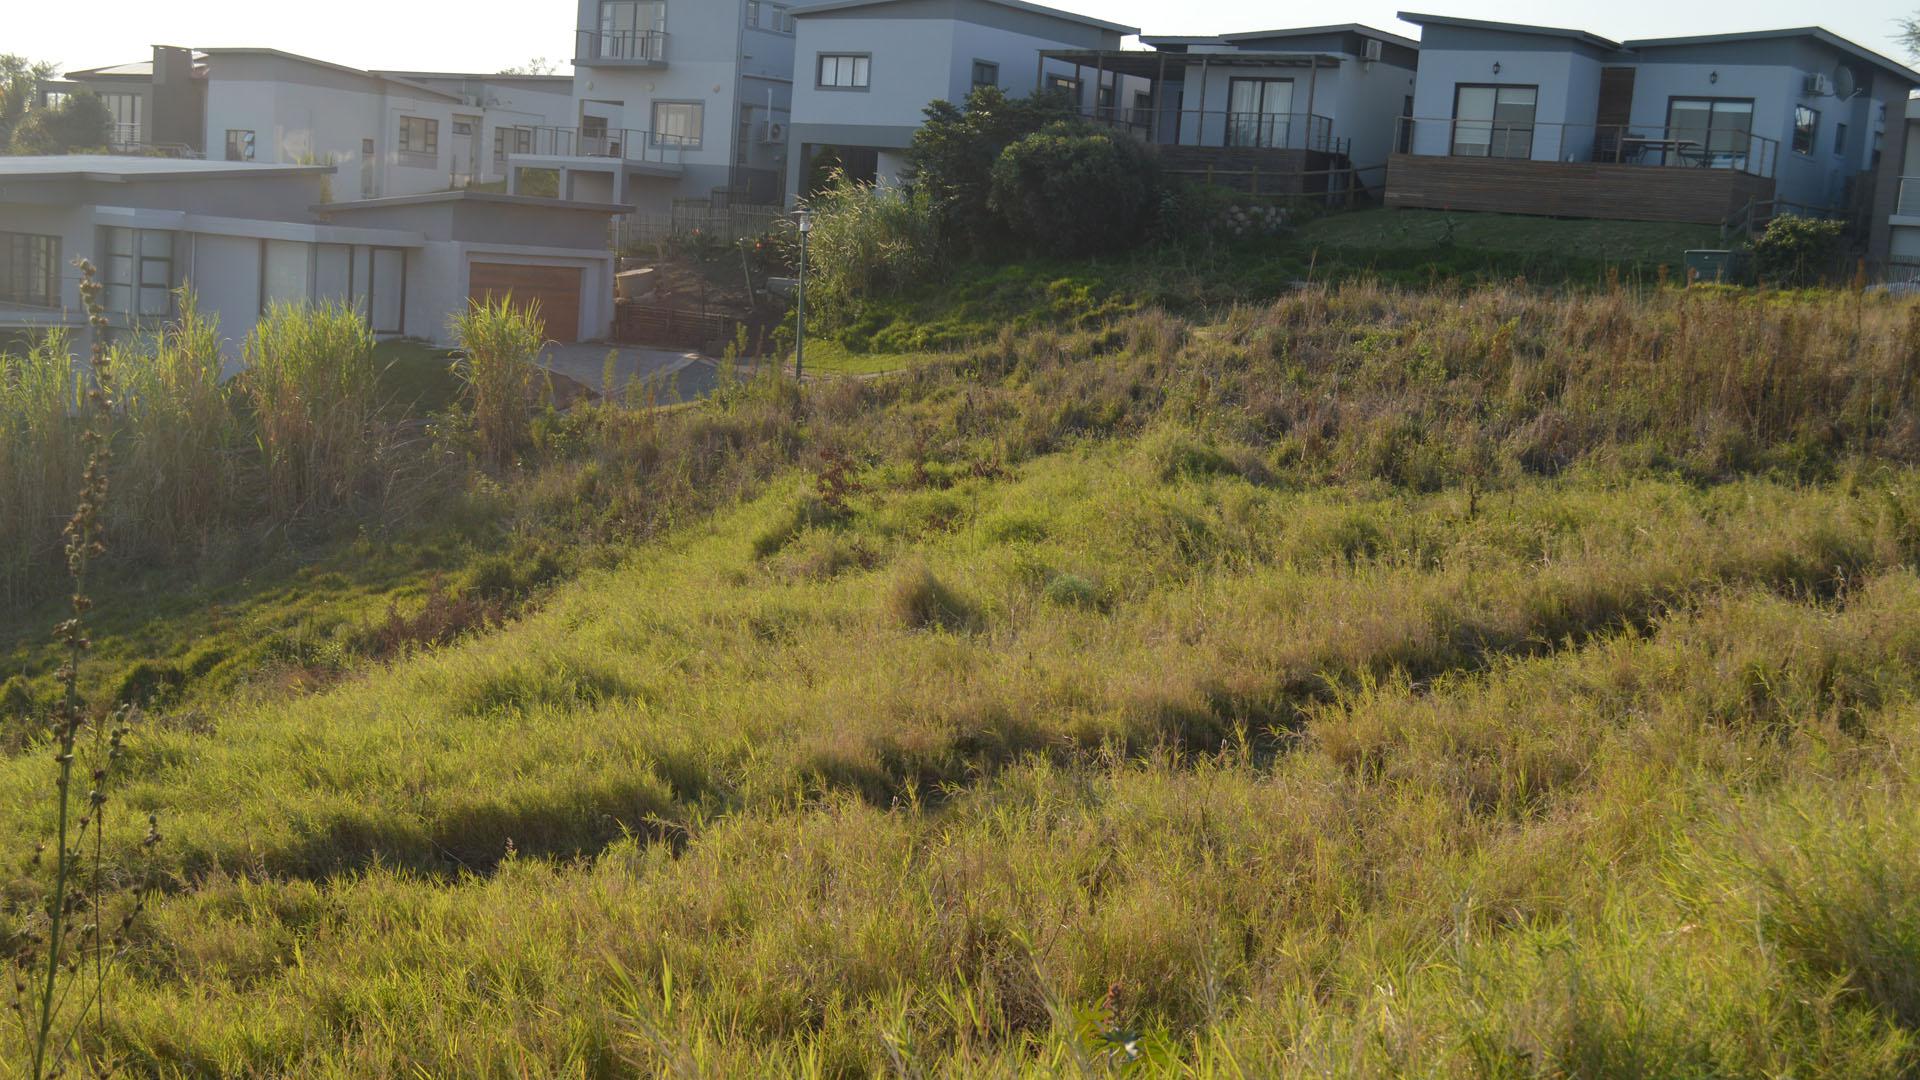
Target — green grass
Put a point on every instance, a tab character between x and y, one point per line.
1633	243
831	357
416	379
1369	683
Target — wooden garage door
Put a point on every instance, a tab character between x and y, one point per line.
555	288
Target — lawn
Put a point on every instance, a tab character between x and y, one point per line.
1626	242
1462	683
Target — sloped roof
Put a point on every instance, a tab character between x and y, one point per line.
1581	36
1016	5
1817	33
1336	28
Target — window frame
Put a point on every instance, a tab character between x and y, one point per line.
859	63
430	153
992	65
656	138
252	144
136	286
1811	129
1492	122
1743	156
1066	83
1236	131
522	141
17	252
1840	134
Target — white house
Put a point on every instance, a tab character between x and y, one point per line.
390	133
867	70
246	235
673	100
1549	120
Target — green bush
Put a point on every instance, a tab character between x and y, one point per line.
80	123
953	155
868	242
1797	252
1069	190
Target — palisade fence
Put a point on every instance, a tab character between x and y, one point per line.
695	217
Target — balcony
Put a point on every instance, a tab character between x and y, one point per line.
1615	172
620	48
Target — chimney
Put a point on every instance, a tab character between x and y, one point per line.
177	116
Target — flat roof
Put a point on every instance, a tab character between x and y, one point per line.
1582	36
1335	28
1016	5
1817	33
112	169
487	198
472	76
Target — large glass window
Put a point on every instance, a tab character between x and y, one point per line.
633	29
240	145
1806	129
128	112
1258	112
30	269
1715	132
986	73
678	123
139	272
511	140
419	140
844	71
1494	121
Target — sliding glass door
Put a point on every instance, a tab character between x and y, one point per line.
1711	133
1258	112
1494	121
633	29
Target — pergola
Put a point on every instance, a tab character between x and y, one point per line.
1154	67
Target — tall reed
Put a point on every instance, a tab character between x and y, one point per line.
41	393
500	344
310	380
180	431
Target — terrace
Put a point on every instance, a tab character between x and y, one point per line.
614	157
1619	172
621	48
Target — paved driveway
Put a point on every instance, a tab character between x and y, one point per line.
671	376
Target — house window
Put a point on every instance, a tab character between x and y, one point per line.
773	17
1494	121
843	71
1840	140
139	277
1806	127
1708	131
127	112
986	73
1258	112
54	99
1104	98
511	140
678	123
419	141
462	127
239	145
1064	83
633	30
30	269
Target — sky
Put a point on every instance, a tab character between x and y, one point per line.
487	35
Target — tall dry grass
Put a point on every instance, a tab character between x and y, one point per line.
41	458
500	344
310	382
181	432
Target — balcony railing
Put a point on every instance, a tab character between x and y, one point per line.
1600	144
127	136
1224	128
1908	204
620	46
623	144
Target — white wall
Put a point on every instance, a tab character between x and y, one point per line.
1569	85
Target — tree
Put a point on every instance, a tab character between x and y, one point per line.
1910	34
20	80
952	156
539	65
1074	190
78	124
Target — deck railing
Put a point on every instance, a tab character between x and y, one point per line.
1605	144
624	144
620	46
1223	128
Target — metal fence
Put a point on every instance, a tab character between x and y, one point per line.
1603	144
1222	128
625	144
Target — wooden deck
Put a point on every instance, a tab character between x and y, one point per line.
1556	189
1253	170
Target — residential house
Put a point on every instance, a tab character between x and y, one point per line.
1900	252
868	69
390	134
1710	129
246	235
674	101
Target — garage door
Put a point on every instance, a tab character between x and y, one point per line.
555	288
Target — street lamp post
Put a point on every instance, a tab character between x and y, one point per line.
800	321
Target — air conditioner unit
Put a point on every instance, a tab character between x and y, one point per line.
1373	50
1818	85
773	132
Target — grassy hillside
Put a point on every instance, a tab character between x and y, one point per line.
1369	683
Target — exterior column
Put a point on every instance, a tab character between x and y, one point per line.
1313	83
1200	135
1159	101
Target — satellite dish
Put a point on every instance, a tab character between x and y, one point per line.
1844	84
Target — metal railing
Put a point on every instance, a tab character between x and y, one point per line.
1222	128
122	136
1908	204
624	144
1602	144
626	46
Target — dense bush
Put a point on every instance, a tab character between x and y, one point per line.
1799	251
80	123
868	241
952	159
1071	190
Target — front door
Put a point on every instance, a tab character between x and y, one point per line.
1258	112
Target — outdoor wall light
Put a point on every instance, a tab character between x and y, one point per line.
1496	67
1713	76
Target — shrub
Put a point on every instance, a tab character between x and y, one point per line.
867	242
500	345
310	379
80	123
919	601
1798	251
1072	590
954	153
1072	191
150	684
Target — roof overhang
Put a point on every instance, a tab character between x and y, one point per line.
1148	64
1015	5
1338	28
1585	38
1816	33
484	198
